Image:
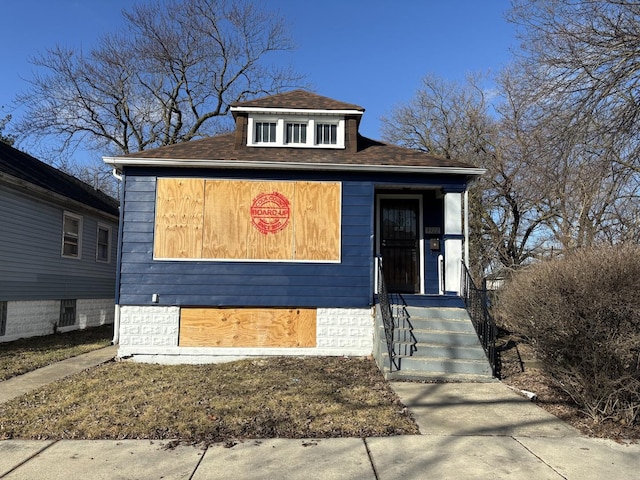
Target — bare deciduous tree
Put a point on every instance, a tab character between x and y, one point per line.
169	76
583	58
5	138
457	121
581	61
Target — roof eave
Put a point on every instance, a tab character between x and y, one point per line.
120	162
53	197
307	111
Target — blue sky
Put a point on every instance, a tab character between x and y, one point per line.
369	52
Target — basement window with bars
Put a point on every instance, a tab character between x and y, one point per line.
3	318
67	313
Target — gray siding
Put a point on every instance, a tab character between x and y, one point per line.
31	264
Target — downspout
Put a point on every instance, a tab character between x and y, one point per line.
116	316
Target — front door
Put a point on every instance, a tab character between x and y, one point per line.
400	244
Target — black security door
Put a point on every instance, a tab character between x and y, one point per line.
399	244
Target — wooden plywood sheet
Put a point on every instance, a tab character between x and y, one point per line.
247	327
226	219
271	233
317	221
248	220
179	218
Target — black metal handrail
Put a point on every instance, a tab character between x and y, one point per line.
387	316
477	305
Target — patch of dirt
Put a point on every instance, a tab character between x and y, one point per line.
520	370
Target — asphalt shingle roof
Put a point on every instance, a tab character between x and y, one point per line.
298	99
29	169
369	152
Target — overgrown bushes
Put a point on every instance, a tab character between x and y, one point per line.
582	315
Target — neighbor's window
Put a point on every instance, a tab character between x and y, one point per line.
296	133
326	134
71	235
103	245
265	132
67	313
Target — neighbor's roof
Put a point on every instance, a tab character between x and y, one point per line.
26	168
297	100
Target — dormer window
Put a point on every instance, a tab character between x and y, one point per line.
296	133
296	119
313	131
326	134
265	132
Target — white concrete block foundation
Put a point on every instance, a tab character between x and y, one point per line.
36	318
150	334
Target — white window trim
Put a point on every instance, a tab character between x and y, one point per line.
281	126
102	226
80	226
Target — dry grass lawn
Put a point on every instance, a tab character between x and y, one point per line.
27	354
277	397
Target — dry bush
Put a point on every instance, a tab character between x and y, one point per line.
582	315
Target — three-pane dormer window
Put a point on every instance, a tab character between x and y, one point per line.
296	133
265	132
326	134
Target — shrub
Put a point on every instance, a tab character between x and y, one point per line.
581	313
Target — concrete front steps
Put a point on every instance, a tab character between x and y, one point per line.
436	344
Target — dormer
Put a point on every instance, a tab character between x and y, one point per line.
297	119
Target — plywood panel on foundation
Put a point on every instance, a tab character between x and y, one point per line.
247	327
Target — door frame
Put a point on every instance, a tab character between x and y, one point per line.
378	219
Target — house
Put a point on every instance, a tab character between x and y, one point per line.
264	241
57	250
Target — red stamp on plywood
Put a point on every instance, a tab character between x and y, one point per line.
270	212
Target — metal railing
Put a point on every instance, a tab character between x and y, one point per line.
477	305
387	317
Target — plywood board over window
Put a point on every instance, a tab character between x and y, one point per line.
317	220
248	220
179	218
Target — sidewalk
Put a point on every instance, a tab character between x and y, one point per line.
468	431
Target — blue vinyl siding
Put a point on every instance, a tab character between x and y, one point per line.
31	265
288	284
219	283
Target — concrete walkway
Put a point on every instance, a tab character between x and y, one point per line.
468	431
16	386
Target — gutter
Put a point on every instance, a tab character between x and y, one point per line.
120	162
